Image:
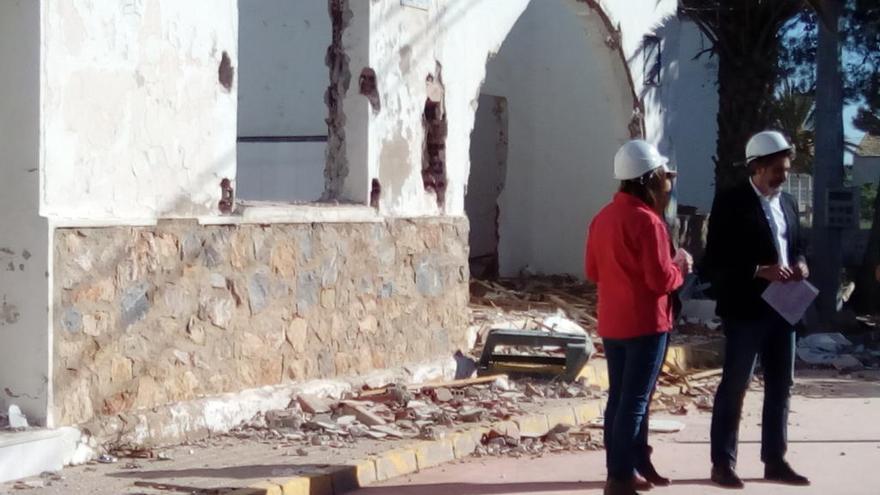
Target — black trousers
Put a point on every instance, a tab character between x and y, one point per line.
773	339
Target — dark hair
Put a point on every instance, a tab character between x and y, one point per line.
648	188
766	160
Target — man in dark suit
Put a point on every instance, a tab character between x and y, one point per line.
754	239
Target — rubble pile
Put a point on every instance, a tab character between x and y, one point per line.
844	353
427	411
527	303
680	393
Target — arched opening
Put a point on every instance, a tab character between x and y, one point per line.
555	105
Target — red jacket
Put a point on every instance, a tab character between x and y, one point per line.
628	257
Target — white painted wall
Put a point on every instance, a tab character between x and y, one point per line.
680	115
283	77
24	243
135	123
487	174
684	112
406	44
568	107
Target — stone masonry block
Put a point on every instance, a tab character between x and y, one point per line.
246	306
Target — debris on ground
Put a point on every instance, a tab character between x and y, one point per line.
14	419
837	351
424	411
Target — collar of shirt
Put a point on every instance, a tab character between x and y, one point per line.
766	197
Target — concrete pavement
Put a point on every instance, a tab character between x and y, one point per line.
834	439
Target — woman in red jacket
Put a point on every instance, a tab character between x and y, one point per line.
628	256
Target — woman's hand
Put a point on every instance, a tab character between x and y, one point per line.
684	261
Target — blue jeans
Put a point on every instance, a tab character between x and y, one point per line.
633	366
772	338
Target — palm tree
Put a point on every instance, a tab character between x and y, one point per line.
745	35
793	111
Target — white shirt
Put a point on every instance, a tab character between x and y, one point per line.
776	218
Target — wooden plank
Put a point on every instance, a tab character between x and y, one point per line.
457	383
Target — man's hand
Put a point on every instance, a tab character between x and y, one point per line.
801	271
775	273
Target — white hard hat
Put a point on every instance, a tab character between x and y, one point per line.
636	158
766	143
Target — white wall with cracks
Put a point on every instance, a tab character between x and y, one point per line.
24	243
135	121
569	106
680	112
451	41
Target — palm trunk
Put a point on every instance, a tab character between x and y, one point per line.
748	49
828	168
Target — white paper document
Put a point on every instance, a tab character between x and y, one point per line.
790	299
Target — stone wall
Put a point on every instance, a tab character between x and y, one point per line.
156	315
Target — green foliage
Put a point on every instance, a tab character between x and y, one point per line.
866	208
793	110
860	61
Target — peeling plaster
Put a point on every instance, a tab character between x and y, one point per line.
405	46
135	124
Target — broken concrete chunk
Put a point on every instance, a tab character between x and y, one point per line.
361	413
471	414
313	404
16	418
443	395
284	418
346	420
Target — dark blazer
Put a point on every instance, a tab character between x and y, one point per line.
739	240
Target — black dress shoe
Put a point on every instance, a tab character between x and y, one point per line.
726	477
783	473
651	475
619	487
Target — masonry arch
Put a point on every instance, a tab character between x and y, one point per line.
556	103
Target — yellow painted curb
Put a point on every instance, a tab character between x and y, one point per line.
561	416
396	463
688	357
419	455
586	412
261	488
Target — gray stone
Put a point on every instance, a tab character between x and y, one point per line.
72	320
326	364
180	302
258	291
307	289
218	281
329	272
304	244
212	257
387	253
190	247
217	310
134	303
387	290
428	279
